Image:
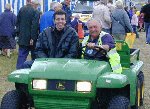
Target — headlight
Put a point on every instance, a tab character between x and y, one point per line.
39	84
84	86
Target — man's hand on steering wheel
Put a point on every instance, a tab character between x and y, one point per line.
99	48
91	45
96	47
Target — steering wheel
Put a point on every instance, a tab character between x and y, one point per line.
99	49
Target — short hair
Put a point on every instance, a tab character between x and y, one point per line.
60	12
119	4
36	2
92	19
110	1
76	16
103	2
8	6
57	4
52	5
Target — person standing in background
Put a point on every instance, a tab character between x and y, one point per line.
134	23
131	12
110	5
46	19
126	9
7	27
36	5
27	30
66	8
145	11
141	23
120	22
102	14
76	21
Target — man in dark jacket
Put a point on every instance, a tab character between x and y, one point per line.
27	29
145	11
58	42
66	8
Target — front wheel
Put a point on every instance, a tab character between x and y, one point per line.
141	79
139	91
13	100
119	102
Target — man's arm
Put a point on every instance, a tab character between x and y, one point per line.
18	22
41	50
35	25
108	42
74	46
14	20
142	9
127	21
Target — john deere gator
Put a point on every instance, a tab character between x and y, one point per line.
54	83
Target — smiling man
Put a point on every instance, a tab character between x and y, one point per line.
100	45
58	42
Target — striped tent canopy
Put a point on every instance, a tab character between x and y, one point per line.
45	4
16	5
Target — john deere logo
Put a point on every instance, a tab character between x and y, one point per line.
60	86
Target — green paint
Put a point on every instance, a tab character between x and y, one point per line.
99	73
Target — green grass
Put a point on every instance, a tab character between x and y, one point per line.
7	65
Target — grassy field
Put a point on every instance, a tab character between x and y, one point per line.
7	65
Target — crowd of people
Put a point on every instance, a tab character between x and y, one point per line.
55	33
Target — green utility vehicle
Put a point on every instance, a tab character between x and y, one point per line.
54	83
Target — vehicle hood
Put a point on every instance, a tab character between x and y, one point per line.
68	69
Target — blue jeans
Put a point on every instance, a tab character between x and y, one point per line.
27	64
135	30
22	55
147	24
148	36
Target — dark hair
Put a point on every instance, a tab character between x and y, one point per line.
110	1
60	12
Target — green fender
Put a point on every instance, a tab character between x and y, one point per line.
19	76
112	80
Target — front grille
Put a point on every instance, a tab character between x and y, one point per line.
61	85
61	104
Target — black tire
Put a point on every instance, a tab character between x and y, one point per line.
139	91
142	94
138	95
13	100
141	80
119	102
